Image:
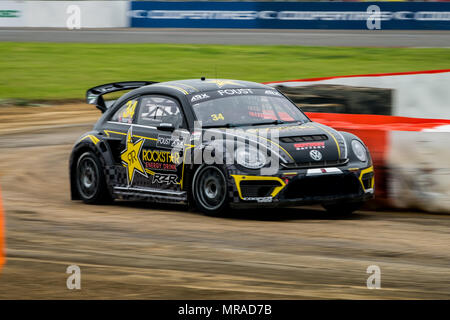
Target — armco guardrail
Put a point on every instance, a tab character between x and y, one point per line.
291	15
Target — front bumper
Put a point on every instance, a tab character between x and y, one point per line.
303	187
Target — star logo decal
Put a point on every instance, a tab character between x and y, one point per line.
221	83
130	157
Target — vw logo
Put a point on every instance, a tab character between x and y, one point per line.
315	155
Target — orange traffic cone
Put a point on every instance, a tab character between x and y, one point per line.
2	234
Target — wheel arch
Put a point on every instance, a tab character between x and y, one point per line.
100	149
223	169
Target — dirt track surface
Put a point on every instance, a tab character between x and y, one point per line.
129	250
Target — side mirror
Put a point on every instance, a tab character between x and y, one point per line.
164	126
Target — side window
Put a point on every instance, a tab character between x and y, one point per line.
125	113
154	110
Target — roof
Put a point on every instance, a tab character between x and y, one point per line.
192	86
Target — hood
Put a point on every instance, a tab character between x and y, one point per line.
305	143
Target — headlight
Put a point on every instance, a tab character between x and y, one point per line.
250	157
359	150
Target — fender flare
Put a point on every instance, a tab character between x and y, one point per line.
94	143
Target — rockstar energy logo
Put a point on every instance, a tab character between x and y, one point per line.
130	157
160	156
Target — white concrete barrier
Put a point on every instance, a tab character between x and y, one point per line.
12	13
423	94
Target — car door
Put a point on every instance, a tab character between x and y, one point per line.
161	156
116	130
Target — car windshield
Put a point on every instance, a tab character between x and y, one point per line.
241	107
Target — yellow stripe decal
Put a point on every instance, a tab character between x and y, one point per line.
94	139
334	138
174	87
184	161
272	143
147	138
116	132
124	134
186	85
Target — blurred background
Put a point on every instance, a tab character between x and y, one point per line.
378	69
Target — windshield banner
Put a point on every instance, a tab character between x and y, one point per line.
222	93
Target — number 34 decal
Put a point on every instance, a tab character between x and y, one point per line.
129	111
217	117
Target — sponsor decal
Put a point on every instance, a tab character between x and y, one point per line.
283	128
160	159
130	157
161	156
315	155
272	93
164	178
161	166
259	199
309	145
235	91
93	138
165	141
198	97
322	171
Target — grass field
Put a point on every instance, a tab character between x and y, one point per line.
47	71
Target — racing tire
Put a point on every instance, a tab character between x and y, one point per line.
342	209
210	190
90	180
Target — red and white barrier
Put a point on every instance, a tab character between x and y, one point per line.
411	149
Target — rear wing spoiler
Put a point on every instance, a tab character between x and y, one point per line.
95	95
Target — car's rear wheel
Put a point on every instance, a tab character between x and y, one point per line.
90	179
209	190
342	209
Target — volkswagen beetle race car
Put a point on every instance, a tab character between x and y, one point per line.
214	143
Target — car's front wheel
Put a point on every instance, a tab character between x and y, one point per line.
90	179
209	190
342	209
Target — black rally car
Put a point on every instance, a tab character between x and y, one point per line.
215	143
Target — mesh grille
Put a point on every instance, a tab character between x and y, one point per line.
258	188
331	185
